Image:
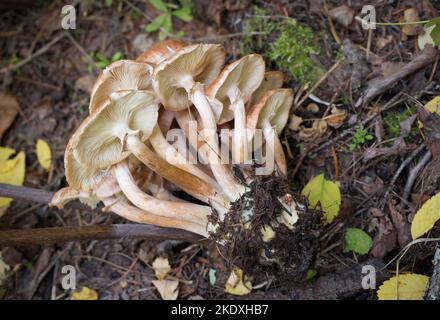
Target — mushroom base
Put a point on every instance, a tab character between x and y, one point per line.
289	253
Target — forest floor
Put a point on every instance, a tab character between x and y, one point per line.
376	150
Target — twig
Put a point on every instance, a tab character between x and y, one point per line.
65	234
317	84
414	172
380	85
36	54
38	236
398	172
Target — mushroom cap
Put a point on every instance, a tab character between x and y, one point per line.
161	51
120	75
87	179
200	63
272	80
100	140
245	74
273	107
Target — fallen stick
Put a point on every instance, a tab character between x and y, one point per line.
18	237
433	291
380	85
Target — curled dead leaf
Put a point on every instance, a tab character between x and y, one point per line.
168	289
161	267
336	118
318	129
343	15
295	122
410	15
8	109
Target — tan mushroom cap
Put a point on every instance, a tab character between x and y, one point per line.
100	139
245	75
196	63
274	107
161	51
120	75
272	80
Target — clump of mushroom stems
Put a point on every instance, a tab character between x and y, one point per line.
133	107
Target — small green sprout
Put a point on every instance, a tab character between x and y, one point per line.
164	22
360	137
102	61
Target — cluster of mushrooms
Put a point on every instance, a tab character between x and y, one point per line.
120	155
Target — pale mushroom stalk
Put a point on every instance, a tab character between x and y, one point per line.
221	172
129	212
167	152
185	211
185	180
273	140
239	141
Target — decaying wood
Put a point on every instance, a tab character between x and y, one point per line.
380	85
65	234
433	292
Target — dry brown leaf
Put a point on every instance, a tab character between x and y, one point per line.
168	289
343	15
337	118
8	110
386	236
410	15
318	129
295	122
161	267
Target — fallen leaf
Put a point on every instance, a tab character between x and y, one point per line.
410	15
343	15
161	267
8	109
3	269
336	118
404	287
430	122
401	224
426	217
84	294
357	240
385	238
85	83
425	38
295	122
44	154
326	193
12	170
318	129
168	289
237	284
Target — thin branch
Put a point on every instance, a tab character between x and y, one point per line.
66	234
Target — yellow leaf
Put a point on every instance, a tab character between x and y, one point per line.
161	267
433	105
410	287
44	154
12	171
426	217
85	294
326	193
168	289
237	284
5	153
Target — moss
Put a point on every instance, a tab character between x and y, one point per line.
286	43
393	119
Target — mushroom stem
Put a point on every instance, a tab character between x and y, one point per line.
125	210
171	155
185	211
239	142
186	181
273	140
221	172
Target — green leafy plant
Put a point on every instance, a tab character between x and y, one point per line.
102	61
358	241
290	50
360	137
164	22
